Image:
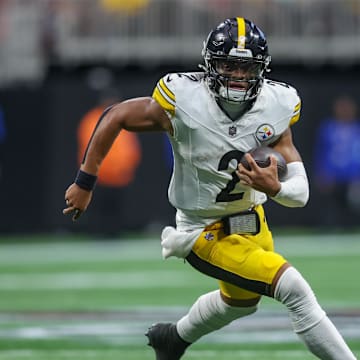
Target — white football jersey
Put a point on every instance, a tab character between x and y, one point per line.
208	145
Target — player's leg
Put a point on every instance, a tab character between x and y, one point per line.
239	261
213	311
269	274
249	262
309	319
216	309
226	257
210	312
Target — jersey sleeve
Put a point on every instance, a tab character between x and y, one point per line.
292	102
289	101
296	112
165	96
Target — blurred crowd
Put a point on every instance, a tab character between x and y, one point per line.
99	34
36	33
337	164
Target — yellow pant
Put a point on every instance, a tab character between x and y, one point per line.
246	265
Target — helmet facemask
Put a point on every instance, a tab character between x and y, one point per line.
235	79
236	57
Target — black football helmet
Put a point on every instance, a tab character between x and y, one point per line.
237	45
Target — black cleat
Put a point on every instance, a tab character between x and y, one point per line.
165	340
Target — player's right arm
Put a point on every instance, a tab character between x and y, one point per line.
139	114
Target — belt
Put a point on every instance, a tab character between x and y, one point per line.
215	226
244	223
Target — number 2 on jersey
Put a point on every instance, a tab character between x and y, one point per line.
224	195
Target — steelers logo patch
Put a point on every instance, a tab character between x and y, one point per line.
265	132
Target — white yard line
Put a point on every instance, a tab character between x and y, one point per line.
201	354
149	249
252	354
63	354
95	280
128	328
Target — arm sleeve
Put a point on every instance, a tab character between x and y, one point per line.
294	190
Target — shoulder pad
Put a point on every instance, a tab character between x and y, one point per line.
288	97
164	94
167	87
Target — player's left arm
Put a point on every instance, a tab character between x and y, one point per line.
286	147
293	191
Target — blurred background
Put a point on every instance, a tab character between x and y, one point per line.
67	290
63	61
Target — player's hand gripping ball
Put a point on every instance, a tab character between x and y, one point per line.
261	156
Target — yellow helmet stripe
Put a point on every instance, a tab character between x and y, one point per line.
241	32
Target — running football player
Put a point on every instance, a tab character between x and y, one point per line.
212	118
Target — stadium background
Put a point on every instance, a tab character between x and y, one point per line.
66	292
57	55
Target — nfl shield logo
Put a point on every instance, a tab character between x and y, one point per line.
209	236
232	130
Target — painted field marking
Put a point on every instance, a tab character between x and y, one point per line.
128	327
150	249
95	280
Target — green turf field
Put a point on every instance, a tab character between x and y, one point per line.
94	299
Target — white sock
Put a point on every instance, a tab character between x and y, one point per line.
309	319
209	313
324	341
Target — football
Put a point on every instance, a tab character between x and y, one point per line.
261	156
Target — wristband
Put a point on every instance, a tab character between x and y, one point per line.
85	181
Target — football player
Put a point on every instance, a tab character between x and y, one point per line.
213	118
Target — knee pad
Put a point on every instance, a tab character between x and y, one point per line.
295	293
